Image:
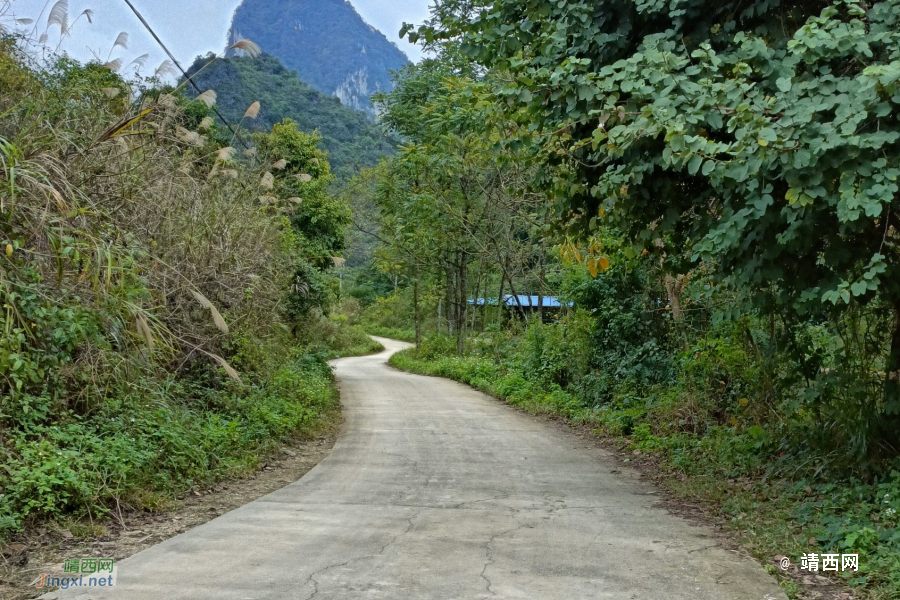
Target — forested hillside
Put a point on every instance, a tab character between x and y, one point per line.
713	187
350	137
326	42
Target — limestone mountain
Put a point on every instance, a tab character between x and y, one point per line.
326	41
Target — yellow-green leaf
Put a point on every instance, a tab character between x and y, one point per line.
604	264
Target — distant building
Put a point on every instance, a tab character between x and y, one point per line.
527	305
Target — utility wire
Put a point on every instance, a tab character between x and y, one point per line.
183	72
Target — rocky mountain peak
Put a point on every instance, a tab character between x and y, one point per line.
326	41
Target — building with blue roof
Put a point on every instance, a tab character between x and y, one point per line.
524	305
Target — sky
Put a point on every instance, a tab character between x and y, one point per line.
189	27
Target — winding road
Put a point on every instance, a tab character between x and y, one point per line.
438	492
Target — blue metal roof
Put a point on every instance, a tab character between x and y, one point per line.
533	301
524	301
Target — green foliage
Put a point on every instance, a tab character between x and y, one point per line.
161	436
456	220
326	42
630	338
859	518
145	347
321	219
318	220
390	311
733	107
404	335
350	137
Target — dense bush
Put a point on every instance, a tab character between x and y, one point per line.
158	437
150	333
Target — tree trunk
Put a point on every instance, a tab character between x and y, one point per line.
416	309
462	303
512	290
500	301
890	423
673	289
543	273
474	304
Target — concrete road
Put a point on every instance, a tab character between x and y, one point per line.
438	492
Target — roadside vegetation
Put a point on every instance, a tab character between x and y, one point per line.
165	291
710	190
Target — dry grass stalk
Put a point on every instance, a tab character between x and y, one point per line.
167	101
216	315
208	98
247	46
190	137
165	68
226	154
144	329
59	15
182	224
252	111
121	41
228	368
140	61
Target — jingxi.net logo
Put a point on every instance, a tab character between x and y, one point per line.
81	572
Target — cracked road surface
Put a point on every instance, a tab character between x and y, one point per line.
438	492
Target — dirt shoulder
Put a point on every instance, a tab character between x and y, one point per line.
39	550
